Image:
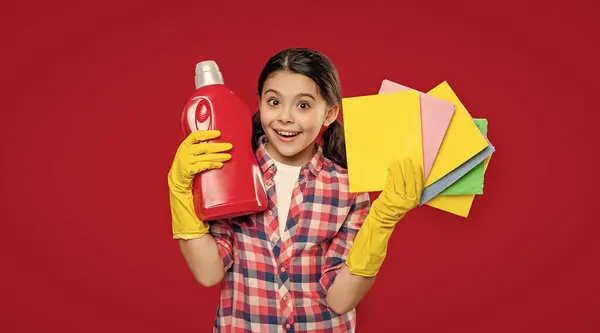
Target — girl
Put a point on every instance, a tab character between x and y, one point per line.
305	263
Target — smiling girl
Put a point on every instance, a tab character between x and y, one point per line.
304	263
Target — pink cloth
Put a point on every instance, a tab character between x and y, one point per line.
436	115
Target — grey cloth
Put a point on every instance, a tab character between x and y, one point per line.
436	188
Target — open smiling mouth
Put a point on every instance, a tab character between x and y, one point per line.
287	134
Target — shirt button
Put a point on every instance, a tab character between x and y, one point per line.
285	298
282	269
271	212
288	326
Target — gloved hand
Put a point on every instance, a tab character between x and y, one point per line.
194	155
401	194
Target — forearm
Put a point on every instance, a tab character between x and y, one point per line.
364	259
347	290
203	259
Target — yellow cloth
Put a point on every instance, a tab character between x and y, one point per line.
402	192
463	138
193	156
379	129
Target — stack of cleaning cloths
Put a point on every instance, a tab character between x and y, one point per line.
433	128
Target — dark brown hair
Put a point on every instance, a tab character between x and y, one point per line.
321	70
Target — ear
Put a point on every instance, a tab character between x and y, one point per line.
331	115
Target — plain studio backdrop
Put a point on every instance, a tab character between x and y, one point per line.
91	99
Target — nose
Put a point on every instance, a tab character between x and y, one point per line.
285	116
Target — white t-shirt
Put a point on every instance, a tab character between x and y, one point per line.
285	180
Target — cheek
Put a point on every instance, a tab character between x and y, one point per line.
312	125
265	118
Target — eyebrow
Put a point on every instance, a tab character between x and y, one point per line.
299	95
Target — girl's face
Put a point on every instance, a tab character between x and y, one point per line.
292	113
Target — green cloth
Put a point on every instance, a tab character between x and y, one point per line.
472	181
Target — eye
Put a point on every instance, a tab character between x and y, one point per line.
273	102
304	105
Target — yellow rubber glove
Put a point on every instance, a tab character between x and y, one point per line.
401	194
194	155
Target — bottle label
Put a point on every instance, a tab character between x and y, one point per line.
199	114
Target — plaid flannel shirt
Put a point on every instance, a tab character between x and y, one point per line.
278	283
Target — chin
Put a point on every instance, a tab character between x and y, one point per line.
289	151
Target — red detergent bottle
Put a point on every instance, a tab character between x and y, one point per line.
237	188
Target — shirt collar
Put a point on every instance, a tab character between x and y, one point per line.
266	162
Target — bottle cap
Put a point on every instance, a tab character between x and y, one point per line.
207	73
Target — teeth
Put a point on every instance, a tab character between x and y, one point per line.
286	133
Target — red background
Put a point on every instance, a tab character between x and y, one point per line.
92	95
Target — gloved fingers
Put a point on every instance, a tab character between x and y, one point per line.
203	158
192	169
396	177
390	177
410	178
201	135
420	181
208	148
